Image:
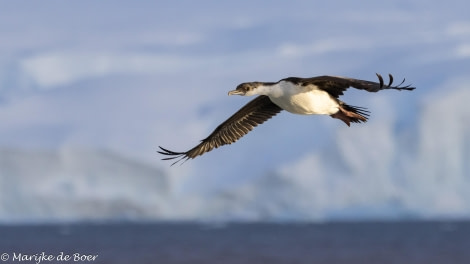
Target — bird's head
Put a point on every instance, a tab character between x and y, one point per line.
246	89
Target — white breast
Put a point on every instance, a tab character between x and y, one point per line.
305	100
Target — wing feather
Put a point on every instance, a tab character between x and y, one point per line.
254	113
337	85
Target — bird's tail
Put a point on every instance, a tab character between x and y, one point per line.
349	113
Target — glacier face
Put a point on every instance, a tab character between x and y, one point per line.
56	185
84	105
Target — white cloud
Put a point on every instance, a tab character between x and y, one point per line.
463	51
459	29
60	68
323	47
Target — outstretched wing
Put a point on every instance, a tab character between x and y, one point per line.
256	112
337	85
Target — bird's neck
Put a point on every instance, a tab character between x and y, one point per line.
280	89
270	89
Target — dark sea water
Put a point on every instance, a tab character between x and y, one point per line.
140	243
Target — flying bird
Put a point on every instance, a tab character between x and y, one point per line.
305	96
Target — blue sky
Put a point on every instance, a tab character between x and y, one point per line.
88	91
